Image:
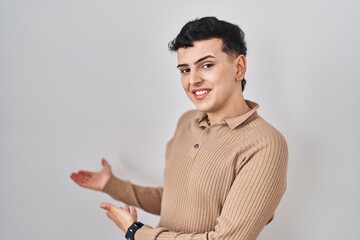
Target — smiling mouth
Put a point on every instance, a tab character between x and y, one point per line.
200	94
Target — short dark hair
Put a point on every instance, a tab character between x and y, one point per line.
210	27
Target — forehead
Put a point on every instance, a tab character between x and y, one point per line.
200	49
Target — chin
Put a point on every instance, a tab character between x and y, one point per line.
202	108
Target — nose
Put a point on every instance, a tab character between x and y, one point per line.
195	78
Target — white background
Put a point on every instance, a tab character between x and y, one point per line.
86	79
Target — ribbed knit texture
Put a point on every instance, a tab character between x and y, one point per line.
220	182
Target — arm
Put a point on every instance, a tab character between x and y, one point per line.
146	198
251	201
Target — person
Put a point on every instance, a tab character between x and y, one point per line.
225	166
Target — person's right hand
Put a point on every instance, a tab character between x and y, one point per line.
93	180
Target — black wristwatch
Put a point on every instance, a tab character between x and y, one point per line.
132	230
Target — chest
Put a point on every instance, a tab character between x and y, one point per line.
202	163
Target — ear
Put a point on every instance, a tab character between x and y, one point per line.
241	63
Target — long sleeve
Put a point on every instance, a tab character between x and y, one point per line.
251	201
146	198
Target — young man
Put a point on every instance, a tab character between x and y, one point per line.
225	169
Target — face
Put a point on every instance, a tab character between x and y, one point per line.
210	77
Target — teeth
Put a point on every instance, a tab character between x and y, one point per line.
197	93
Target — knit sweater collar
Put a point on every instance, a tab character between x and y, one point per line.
201	117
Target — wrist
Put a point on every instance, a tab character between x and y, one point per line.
105	182
130	234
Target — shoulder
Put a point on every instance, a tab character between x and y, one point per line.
263	135
262	146
187	117
184	121
260	128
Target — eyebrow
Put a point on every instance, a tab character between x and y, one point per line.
196	62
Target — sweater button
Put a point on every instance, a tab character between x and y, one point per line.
196	146
207	131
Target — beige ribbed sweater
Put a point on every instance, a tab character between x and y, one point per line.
220	182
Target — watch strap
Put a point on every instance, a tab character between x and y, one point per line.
132	230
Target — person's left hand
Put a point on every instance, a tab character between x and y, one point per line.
123	217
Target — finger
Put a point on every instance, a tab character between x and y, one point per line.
106	206
126	208
85	173
74	178
104	163
81	180
81	176
103	206
134	213
110	215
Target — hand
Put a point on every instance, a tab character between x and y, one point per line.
93	180
122	217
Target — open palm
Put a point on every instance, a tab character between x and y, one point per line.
93	180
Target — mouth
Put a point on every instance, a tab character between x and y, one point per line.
200	93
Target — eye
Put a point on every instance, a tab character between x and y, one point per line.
184	70
207	65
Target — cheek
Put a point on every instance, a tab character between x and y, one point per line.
184	83
225	83
217	76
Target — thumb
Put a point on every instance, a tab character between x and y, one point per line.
105	164
134	213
